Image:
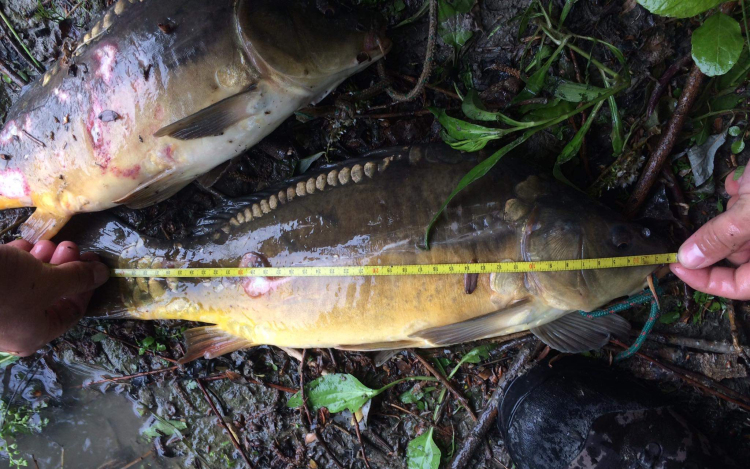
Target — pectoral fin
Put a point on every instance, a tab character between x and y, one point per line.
211	342
575	333
213	120
42	225
161	187
490	325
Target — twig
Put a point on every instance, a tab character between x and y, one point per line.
137	460
733	330
697	344
489	414
305	411
359	437
693	379
328	451
137	375
12	75
666	144
223	423
129	344
661	85
26	56
413	80
444	381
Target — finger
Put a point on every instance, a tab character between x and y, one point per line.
63	315
718	238
719	281
731	186
732	201
741	256
76	277
43	250
65	252
21	244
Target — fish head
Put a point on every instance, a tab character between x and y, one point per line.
312	48
563	229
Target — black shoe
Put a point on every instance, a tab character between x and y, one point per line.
579	414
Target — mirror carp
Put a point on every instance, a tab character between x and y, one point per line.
373	211
160	92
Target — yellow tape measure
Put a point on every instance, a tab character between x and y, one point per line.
388	270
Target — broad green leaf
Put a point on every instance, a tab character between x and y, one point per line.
7	359
164	427
717	44
335	392
679	8
473	108
453	27
738	146
735	131
736	75
423	453
670	317
738	173
577	92
476	355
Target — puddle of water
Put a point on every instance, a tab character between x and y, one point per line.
86	429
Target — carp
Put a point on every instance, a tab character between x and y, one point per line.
373	211
162	91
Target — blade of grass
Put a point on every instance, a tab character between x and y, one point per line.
574	146
13	31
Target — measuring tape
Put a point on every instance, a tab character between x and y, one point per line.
389	270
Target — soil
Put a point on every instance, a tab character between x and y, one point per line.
242	384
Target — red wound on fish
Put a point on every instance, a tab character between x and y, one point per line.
259	286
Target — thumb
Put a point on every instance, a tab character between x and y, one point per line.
718	238
76	277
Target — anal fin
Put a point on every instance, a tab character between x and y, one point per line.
575	333
213	120
161	187
42	225
211	342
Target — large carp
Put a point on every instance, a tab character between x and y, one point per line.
160	92
373	211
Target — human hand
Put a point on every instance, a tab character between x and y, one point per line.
40	302
725	237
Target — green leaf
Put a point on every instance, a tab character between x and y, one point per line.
98	337
738	146
535	82
738	173
422	10
7	359
679	8
304	164
410	397
423	453
717	44
453	27
574	146
670	317
719	206
148	342
475	355
336	392
473	108
566	9
164	427
735	131
577	92
736	75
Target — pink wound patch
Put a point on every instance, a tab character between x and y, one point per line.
13	184
133	172
258	286
106	57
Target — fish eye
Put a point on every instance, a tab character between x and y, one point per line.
621	237
646	233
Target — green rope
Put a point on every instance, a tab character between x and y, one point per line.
635	300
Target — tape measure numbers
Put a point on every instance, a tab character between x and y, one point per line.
389	270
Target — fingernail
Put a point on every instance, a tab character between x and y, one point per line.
101	273
691	256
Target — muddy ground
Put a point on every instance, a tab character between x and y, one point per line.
247	386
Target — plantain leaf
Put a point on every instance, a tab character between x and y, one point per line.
679	8
454	27
717	44
739	172
422	452
336	392
7	359
577	92
473	108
